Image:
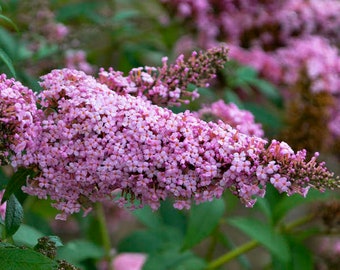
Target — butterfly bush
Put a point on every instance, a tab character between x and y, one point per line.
93	142
168	85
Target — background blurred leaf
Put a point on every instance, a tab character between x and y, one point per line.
174	260
7	22
8	62
203	219
79	250
148	241
265	234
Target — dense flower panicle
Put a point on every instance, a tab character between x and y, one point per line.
95	142
241	120
19	122
168	85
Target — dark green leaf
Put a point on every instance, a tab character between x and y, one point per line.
17	180
124	15
24	259
291	202
148	217
302	258
265	207
14	216
265	234
79	250
149	241
267	89
173	260
203	219
245	73
172	216
8	21
231	96
8	62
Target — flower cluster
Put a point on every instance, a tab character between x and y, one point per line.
168	85
19	122
94	142
230	114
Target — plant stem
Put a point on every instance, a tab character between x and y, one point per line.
252	244
233	254
104	233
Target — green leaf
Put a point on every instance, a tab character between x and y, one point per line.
231	96
267	89
8	21
124	15
79	250
264	206
149	241
173	260
265	234
27	236
203	219
17	180
24	259
245	73
302	257
14	216
8	62
148	217
173	217
291	202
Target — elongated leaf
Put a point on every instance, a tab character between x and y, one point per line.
150	241
265	234
14	216
17	180
302	257
148	217
173	217
288	203
8	21
8	62
266	89
78	250
203	220
173	260
24	259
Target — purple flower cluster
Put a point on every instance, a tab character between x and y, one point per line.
95	142
19	122
230	114
168	85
